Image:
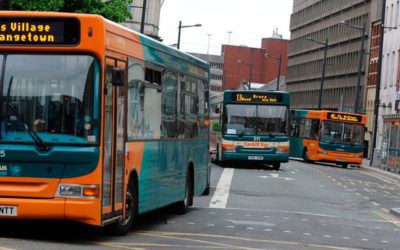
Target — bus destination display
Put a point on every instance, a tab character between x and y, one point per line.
257	97
39	31
344	117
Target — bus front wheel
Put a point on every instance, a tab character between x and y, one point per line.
345	165
276	166
123	226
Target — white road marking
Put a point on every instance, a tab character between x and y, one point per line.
327	236
251	223
285	218
376	204
268	230
385	241
346	238
288	232
190	223
304	219
250	228
248	215
211	225
220	197
275	176
308	234
231	226
365	240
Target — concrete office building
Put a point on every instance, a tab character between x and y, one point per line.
319	20
216	71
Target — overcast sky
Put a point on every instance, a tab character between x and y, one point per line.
249	21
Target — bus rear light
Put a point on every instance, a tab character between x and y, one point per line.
77	191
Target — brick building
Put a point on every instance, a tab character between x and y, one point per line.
254	62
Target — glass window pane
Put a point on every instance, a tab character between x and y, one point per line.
53	95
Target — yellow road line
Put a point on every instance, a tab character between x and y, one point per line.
382	178
175	246
167	236
293	243
109	244
389	218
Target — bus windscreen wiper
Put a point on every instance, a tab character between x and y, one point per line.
36	139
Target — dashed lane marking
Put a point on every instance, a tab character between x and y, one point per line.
220	197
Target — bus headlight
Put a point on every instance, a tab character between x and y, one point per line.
322	152
77	191
282	150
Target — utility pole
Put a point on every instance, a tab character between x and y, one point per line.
143	16
208	46
360	63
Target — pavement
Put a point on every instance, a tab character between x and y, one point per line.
394	211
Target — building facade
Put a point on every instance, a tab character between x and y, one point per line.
390	78
152	20
320	20
216	71
256	65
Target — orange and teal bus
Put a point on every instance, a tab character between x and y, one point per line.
254	127
327	136
98	123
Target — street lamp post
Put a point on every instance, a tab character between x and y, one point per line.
251	70
180	27
360	62
143	16
279	58
143	7
321	89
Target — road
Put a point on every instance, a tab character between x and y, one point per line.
302	206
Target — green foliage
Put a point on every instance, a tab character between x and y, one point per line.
216	126
115	10
42	5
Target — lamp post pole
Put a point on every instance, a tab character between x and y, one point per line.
143	16
178	45
279	58
251	71
360	63
321	88
180	27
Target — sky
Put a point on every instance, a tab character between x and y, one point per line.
248	20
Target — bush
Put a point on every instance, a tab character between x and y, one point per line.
216	126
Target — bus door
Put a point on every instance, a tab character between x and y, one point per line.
113	198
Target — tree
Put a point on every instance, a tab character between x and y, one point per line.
115	10
5	4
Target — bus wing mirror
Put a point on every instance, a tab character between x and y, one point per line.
118	77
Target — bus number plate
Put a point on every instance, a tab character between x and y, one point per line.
256	158
8	210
